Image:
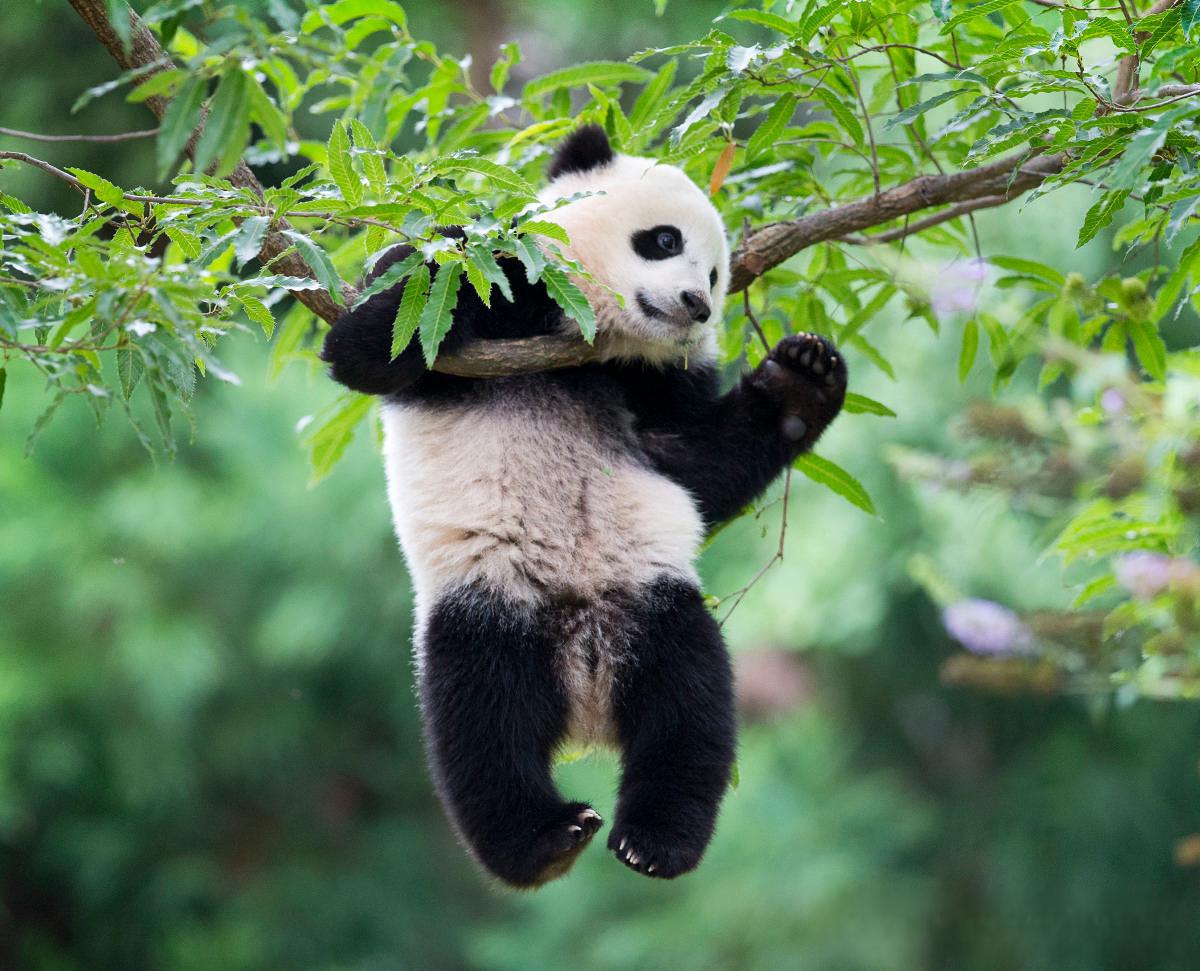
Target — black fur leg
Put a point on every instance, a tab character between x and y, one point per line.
675	719
493	711
806	376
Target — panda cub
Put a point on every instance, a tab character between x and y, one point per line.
551	522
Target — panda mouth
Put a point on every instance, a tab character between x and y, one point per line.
652	312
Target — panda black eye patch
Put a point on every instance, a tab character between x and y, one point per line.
658	242
712	277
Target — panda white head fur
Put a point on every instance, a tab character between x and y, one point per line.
651	235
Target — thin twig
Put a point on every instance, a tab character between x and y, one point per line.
776	558
120	137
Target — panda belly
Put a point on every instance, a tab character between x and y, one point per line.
536	498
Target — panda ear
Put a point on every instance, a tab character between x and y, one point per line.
587	148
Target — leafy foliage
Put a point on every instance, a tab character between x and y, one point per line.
782	112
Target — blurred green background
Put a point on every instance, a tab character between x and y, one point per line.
209	746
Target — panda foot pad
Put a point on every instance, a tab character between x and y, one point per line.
564	841
813	357
653	854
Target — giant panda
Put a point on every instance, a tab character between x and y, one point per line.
551	522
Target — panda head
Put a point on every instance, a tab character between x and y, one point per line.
648	233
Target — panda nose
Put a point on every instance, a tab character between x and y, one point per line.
697	306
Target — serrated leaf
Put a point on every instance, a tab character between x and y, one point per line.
544	228
264	111
1101	214
1189	17
913	112
978	10
408	313
721	168
567	295
343	10
129	370
341	167
771	127
836	479
158	83
227	127
259	313
372	164
590	72
481	283
438	314
1150	348
104	190
970	348
844	115
769	20
860	404
1028	267
318	261
389	277
328	437
497	174
247	241
178	123
486	261
532	258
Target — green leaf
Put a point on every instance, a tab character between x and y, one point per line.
915	111
104	190
247	241
543	228
484	258
499	175
835	478
343	10
389	278
258	312
412	306
481	283
768	20
1150	349
651	98
771	127
118	17
970	347
1028	267
978	10
341	166
227	128
941	9
1101	214
438	314
372	164
567	295
590	72
160	82
178	123
845	117
532	258
860	404
264	111
129	370
318	261
328	437
1189	17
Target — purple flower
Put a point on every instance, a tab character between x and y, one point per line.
1143	574
985	627
957	287
1113	402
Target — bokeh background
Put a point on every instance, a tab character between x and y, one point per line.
209	747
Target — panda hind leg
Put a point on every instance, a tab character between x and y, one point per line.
676	723
494	709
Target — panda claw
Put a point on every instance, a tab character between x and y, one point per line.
621	848
574	829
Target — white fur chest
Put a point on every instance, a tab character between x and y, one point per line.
531	496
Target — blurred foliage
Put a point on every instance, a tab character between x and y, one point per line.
209	749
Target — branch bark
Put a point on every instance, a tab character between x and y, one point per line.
763	249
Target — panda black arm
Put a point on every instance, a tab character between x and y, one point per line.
726	449
358	346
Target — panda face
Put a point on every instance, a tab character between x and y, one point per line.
656	251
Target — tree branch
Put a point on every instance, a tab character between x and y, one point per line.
119	137
145	50
769	246
1127	70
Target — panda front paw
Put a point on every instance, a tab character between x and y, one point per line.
806	376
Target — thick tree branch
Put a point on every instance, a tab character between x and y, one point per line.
1127	70
1001	182
988	185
